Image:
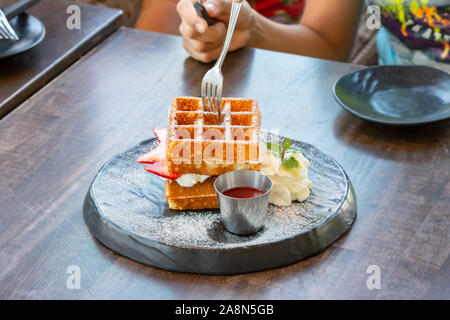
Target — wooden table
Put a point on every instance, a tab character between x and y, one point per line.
53	144
22	75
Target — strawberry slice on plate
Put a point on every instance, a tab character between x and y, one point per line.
160	168
156	158
159	153
154	155
160	133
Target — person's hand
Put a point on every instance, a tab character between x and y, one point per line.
203	42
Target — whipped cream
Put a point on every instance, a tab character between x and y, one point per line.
288	184
190	179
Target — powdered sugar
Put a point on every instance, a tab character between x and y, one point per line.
133	199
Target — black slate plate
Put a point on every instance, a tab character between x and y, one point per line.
31	32
396	95
125	209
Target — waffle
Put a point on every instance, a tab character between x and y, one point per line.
199	144
201	196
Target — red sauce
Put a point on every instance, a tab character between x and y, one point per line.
243	193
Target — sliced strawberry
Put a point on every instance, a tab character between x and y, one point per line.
161	169
155	155
159	152
160	133
156	158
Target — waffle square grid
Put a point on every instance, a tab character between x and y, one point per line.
198	143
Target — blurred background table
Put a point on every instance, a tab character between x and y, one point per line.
53	145
24	74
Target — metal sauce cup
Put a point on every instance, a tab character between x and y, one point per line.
243	216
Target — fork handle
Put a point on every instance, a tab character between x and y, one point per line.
235	8
18	8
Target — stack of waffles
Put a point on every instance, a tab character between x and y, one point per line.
200	147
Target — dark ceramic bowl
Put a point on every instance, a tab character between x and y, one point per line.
396	95
31	32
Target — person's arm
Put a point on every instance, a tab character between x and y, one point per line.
326	30
159	16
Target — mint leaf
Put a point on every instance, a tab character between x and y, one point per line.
286	144
275	147
290	163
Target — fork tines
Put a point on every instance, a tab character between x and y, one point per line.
6	31
212	98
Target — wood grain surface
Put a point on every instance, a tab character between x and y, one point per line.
52	146
24	74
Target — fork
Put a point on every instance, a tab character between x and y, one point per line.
6	31
212	82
